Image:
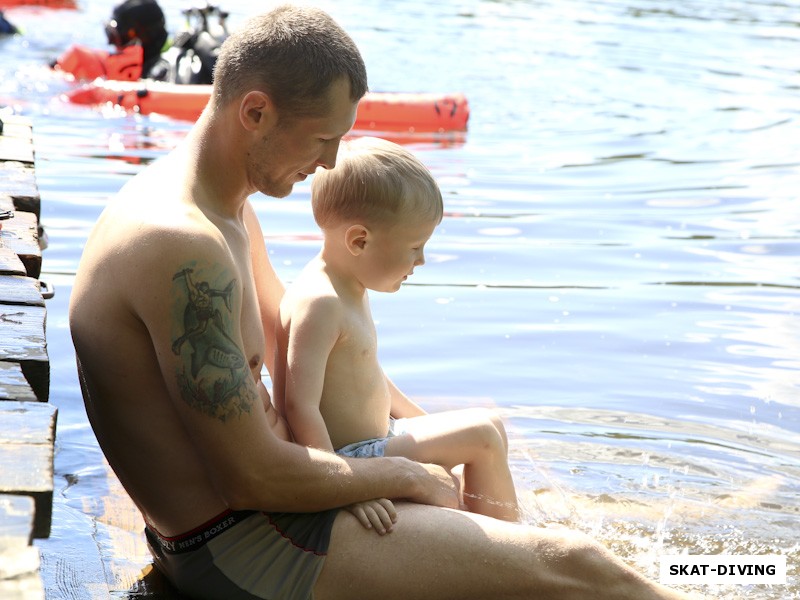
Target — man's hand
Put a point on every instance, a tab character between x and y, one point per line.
378	514
436	486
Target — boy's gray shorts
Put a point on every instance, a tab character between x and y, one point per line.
375	446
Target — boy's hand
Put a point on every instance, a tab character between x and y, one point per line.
378	514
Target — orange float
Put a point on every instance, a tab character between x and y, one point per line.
377	111
56	4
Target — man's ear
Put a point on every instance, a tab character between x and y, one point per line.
355	239
256	111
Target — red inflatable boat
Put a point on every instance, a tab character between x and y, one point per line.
379	111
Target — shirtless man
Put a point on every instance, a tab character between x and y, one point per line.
233	508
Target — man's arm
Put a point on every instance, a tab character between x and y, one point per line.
269	288
314	330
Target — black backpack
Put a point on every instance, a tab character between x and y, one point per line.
193	54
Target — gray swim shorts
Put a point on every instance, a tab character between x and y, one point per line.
247	555
375	446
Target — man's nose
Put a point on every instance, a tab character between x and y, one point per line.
328	157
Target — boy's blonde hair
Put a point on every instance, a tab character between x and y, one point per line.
375	182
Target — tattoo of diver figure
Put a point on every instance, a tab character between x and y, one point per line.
204	331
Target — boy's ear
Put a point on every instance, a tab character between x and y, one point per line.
256	110
355	239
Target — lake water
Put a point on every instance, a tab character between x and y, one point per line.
617	270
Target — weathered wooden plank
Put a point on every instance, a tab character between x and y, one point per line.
16	521
22	334
22	340
28	470
20	234
27	423
20	290
10	264
15	148
27	437
19	561
6	201
16	141
18	126
19	184
13	385
19	574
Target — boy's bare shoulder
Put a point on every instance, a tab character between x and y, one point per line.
311	294
316	297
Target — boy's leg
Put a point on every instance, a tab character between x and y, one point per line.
472	437
436	554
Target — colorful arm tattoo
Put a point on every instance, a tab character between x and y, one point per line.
213	375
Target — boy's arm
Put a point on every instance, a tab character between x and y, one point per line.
314	329
403	407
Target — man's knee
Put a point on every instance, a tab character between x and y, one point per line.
592	563
583	550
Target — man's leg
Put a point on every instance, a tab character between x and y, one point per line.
437	554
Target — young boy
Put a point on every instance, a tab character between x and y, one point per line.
376	209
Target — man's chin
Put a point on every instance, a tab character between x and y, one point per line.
275	191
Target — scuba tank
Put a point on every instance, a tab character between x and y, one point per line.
194	51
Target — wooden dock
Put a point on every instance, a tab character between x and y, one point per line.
27	420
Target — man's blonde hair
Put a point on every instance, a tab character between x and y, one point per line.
375	182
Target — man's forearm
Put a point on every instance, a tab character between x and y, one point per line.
310	480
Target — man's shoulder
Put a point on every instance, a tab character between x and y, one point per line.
137	248
151	205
